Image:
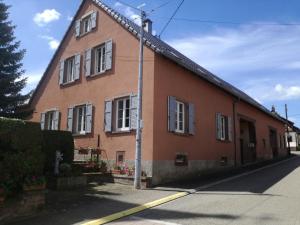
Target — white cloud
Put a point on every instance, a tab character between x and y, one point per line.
261	60
52	42
70	18
245	48
33	77
128	12
287	92
45	17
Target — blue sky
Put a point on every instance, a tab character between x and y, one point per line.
249	43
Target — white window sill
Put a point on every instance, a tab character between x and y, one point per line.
80	134
68	83
97	74
179	131
122	131
83	34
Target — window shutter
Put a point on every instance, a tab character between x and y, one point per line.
89	118
133	111
77	67
88	62
70	119
108	54
61	72
191	112
229	128
171	113
77	28
43	115
56	120
94	19
218	126
108	116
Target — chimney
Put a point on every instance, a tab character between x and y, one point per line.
273	110
148	26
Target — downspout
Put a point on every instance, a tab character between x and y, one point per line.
236	100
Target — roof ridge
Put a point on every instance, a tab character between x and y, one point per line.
163	48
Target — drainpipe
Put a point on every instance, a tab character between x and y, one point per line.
236	100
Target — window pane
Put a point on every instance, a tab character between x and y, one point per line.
103	58
120	123
83	118
120	104
79	113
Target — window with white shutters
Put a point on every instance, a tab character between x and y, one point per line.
120	114
86	24
80	119
69	69
223	127
98	59
50	120
180	116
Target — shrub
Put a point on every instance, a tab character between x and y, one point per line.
57	141
65	170
20	152
298	148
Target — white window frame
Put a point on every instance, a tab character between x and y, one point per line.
70	70
223	127
177	117
49	120
102	62
124	127
82	119
86	24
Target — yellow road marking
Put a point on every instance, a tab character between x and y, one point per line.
137	209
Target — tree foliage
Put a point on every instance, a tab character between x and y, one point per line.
11	80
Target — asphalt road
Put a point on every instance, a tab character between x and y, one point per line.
268	197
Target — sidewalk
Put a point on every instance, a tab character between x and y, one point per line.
97	200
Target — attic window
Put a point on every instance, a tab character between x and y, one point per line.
86	24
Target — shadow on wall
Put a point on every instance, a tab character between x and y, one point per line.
253	183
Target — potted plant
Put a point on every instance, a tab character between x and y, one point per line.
130	171
116	169
34	183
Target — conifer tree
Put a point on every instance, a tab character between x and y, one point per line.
11	80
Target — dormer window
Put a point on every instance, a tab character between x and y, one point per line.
86	24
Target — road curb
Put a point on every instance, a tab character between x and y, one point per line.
137	209
173	197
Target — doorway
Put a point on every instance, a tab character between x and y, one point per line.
247	141
273	142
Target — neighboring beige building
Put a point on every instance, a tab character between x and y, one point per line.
193	121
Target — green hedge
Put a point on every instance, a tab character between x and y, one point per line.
57	140
25	150
21	152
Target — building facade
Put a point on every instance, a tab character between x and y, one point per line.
193	121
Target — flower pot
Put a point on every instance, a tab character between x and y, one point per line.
116	172
34	187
